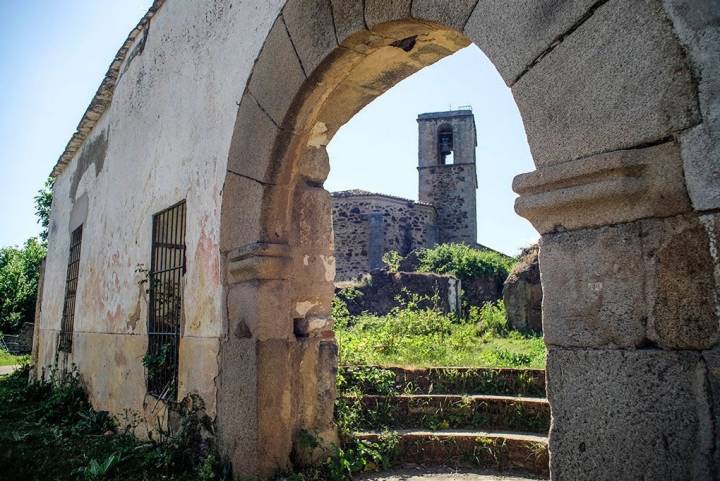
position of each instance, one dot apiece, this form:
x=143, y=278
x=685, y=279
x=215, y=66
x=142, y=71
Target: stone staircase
x=459, y=417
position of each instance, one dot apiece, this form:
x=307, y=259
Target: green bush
x=465, y=262
x=392, y=259
x=490, y=318
x=19, y=274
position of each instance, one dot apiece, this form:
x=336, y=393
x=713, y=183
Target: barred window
x=167, y=268
x=71, y=283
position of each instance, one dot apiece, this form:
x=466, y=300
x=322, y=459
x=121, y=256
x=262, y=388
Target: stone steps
x=459, y=417
x=458, y=380
x=445, y=411
x=503, y=451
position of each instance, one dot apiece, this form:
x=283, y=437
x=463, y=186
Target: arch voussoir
x=312, y=30
x=381, y=11
x=450, y=14
x=620, y=80
x=278, y=60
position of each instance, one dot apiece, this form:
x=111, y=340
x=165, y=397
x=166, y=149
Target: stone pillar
x=630, y=312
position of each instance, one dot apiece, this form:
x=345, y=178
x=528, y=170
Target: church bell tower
x=446, y=169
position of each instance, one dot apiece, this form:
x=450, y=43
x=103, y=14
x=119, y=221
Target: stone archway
x=611, y=108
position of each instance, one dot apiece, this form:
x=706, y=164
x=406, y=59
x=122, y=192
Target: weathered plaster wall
x=165, y=137
x=403, y=226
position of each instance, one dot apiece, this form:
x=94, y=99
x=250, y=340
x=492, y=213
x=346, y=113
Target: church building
x=367, y=225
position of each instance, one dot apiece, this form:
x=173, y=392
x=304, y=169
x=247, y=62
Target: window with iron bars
x=71, y=283
x=167, y=269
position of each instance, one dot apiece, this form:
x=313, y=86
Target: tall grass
x=414, y=336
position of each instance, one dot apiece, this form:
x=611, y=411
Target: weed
x=414, y=334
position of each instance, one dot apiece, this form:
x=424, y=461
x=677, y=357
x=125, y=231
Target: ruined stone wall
x=367, y=226
x=163, y=137
x=380, y=291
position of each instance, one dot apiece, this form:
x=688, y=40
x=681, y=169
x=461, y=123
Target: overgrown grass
x=7, y=359
x=48, y=431
x=414, y=336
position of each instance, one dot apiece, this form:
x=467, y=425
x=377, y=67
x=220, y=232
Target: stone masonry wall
x=367, y=226
x=451, y=189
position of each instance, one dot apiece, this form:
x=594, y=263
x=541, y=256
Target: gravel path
x=5, y=370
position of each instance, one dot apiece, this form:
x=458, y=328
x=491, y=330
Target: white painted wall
x=169, y=129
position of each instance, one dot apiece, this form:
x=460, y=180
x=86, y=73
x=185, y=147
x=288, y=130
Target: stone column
x=630, y=314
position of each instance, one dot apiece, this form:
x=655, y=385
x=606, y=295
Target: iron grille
x=167, y=268
x=71, y=282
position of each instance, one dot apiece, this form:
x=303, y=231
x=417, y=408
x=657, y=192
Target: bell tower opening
x=445, y=145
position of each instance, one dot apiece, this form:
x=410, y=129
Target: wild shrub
x=490, y=319
x=48, y=430
x=465, y=262
x=392, y=259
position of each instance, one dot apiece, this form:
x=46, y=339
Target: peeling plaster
x=303, y=307
x=329, y=265
x=318, y=136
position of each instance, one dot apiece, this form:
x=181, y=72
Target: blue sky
x=54, y=54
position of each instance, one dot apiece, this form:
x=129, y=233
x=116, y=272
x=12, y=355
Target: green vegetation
x=49, y=431
x=20, y=269
x=465, y=262
x=7, y=359
x=19, y=273
x=413, y=336
x=43, y=202
x=392, y=259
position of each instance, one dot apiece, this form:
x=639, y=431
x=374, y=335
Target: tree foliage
x=43, y=202
x=19, y=273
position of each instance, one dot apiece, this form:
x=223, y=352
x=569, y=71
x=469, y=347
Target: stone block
x=592, y=283
x=312, y=212
x=712, y=363
x=680, y=285
x=311, y=27
x=450, y=14
x=241, y=212
x=649, y=281
x=604, y=189
x=640, y=414
x=312, y=288
x=253, y=141
x=697, y=25
x=711, y=222
x=380, y=11
x=276, y=404
x=349, y=18
x=315, y=165
x=260, y=307
x=237, y=404
x=700, y=153
x=277, y=74
x=514, y=34
x=197, y=370
x=619, y=80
